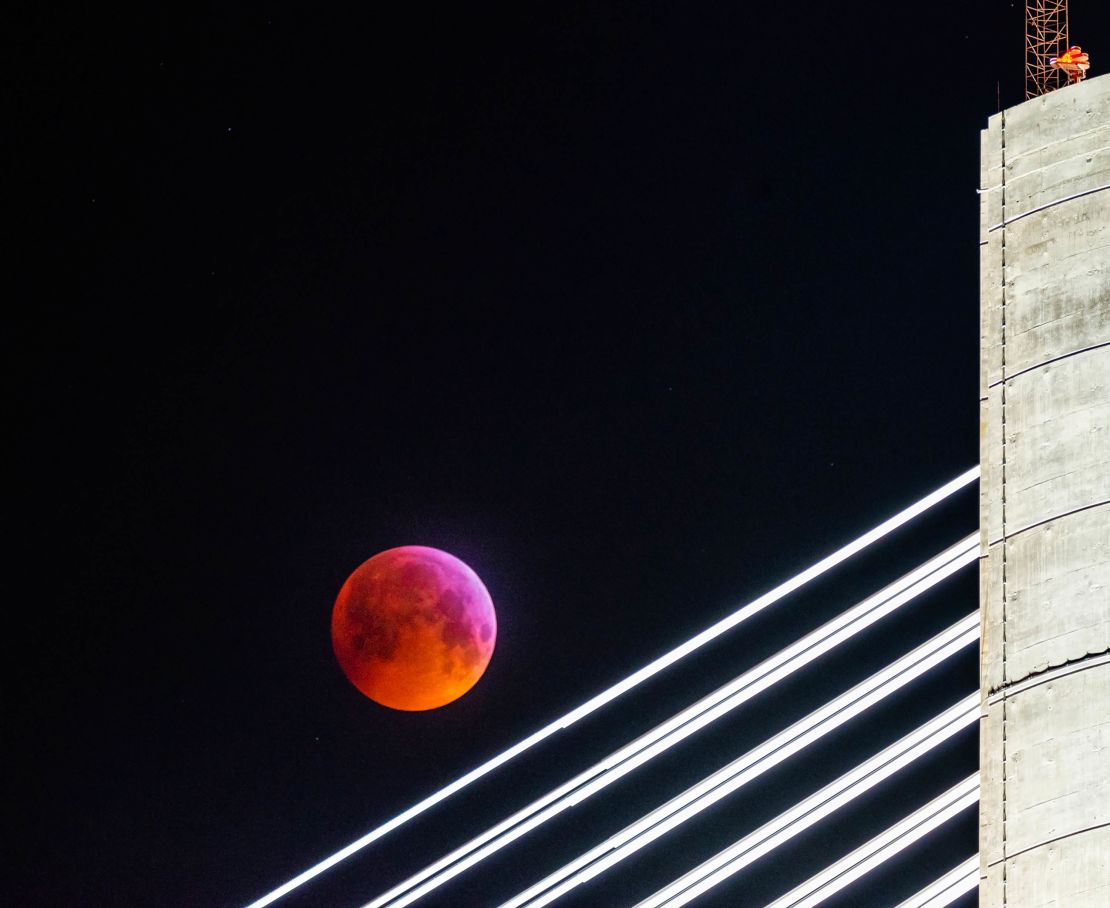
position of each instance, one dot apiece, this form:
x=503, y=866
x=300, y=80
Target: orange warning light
x=1074, y=62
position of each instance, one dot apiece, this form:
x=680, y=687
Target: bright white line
x=683, y=724
x=816, y=807
x=884, y=846
x=960, y=880
x=751, y=765
x=622, y=687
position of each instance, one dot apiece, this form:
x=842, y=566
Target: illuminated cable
x=960, y=880
x=621, y=687
x=815, y=808
x=884, y=846
x=750, y=766
x=683, y=724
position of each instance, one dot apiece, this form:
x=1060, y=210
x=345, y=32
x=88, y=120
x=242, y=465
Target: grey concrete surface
x=1077, y=880
x=1044, y=391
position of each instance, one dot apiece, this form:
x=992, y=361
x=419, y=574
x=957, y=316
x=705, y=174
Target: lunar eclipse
x=413, y=628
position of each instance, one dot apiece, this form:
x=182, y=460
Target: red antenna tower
x=1046, y=37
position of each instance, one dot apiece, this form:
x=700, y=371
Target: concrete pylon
x=1044, y=392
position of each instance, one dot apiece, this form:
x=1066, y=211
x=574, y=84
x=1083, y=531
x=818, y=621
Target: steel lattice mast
x=1046, y=36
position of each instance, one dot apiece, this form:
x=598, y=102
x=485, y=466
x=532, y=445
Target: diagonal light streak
x=621, y=687
x=884, y=846
x=960, y=880
x=815, y=808
x=750, y=766
x=683, y=724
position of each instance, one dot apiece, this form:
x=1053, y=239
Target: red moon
x=413, y=628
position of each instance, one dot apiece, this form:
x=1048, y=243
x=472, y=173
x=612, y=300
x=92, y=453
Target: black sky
x=637, y=308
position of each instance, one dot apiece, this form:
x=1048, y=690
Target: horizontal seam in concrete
x=1047, y=205
x=1060, y=516
x=1054, y=839
x=1051, y=674
x=1066, y=317
x=1068, y=633
x=1048, y=362
x=1067, y=140
x=1038, y=173
x=1082, y=253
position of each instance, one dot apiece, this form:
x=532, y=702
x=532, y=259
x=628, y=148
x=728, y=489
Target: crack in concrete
x=1067, y=663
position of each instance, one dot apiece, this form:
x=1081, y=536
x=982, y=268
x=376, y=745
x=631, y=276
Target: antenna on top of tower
x=1050, y=61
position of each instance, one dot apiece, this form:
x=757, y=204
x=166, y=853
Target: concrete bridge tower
x=1045, y=501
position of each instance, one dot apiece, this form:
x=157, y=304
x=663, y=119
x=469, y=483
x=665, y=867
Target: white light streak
x=960, y=880
x=621, y=687
x=884, y=846
x=815, y=808
x=751, y=765
x=683, y=724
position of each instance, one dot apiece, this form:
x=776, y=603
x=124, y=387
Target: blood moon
x=413, y=628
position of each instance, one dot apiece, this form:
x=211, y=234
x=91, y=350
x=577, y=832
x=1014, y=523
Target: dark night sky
x=637, y=308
